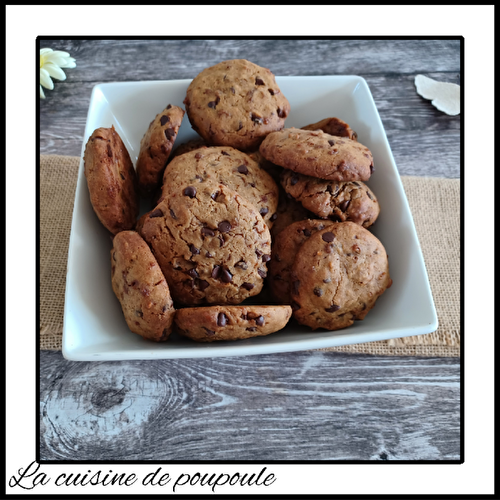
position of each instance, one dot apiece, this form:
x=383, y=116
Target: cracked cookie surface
x=209, y=324
x=235, y=103
x=339, y=201
x=318, y=154
x=111, y=180
x=285, y=248
x=211, y=244
x=229, y=167
x=337, y=276
x=156, y=146
x=333, y=126
x=141, y=288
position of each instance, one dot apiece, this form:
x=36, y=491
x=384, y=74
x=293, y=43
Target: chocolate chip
x=190, y=191
x=247, y=286
x=327, y=280
x=232, y=90
x=260, y=321
x=256, y=118
x=203, y=284
x=331, y=142
x=156, y=213
x=224, y=226
x=226, y=276
x=206, y=231
x=295, y=306
x=193, y=273
x=172, y=213
x=139, y=313
x=259, y=81
x=294, y=180
x=263, y=211
x=193, y=249
x=356, y=184
x=242, y=169
x=169, y=106
x=329, y=188
x=369, y=195
x=242, y=265
x=328, y=237
x=240, y=126
x=371, y=169
x=169, y=133
x=209, y=255
x=225, y=154
x=262, y=273
x=216, y=271
x=273, y=217
x=306, y=232
x=110, y=153
x=332, y=308
x=258, y=253
x=295, y=287
x=281, y=113
x=273, y=92
x=252, y=329
x=221, y=241
x=213, y=104
x=208, y=332
x=122, y=176
x=164, y=119
x=114, y=256
x=343, y=206
x=214, y=195
x=266, y=258
x=221, y=319
x=318, y=291
x=198, y=156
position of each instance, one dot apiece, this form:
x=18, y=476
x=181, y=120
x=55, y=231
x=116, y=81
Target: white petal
x=45, y=79
x=55, y=59
x=69, y=63
x=42, y=95
x=445, y=96
x=45, y=51
x=60, y=53
x=54, y=71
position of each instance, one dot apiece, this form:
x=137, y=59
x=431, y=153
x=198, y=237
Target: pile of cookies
x=251, y=208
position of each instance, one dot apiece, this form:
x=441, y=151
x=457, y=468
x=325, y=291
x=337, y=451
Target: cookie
x=141, y=288
x=273, y=170
x=156, y=146
x=212, y=245
x=209, y=324
x=285, y=248
x=235, y=103
x=227, y=166
x=337, y=276
x=111, y=180
x=333, y=126
x=187, y=147
x=288, y=212
x=318, y=154
x=339, y=201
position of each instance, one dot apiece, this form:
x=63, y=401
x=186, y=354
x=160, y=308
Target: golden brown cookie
x=227, y=166
x=288, y=212
x=318, y=154
x=156, y=146
x=141, y=288
x=339, y=201
x=209, y=324
x=111, y=180
x=273, y=170
x=212, y=245
x=333, y=126
x=187, y=147
x=235, y=103
x=285, y=248
x=337, y=276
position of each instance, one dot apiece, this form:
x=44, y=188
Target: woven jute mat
x=435, y=205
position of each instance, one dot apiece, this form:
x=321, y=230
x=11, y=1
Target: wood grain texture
x=424, y=141
x=293, y=406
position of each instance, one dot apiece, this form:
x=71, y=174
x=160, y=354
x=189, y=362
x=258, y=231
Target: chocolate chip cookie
x=339, y=201
x=337, y=276
x=208, y=324
x=187, y=147
x=227, y=166
x=288, y=212
x=212, y=245
x=156, y=146
x=141, y=288
x=285, y=248
x=111, y=180
x=333, y=126
x=235, y=103
x=273, y=170
x=318, y=154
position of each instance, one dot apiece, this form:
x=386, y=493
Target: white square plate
x=94, y=326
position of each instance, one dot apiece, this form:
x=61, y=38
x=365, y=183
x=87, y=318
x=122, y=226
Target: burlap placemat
x=435, y=205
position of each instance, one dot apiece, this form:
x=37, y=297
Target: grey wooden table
x=292, y=406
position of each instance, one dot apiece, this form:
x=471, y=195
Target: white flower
x=51, y=62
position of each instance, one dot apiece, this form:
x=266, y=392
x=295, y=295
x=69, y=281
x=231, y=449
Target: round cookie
x=141, y=288
x=111, y=180
x=235, y=103
x=337, y=276
x=285, y=248
x=229, y=167
x=208, y=324
x=212, y=245
x=288, y=211
x=340, y=201
x=187, y=147
x=333, y=126
x=156, y=146
x=318, y=154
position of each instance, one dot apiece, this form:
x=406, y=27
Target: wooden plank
x=292, y=406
